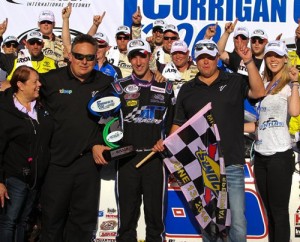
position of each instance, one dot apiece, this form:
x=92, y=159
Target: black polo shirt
x=75, y=129
x=227, y=95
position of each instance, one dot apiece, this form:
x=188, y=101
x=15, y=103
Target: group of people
x=51, y=147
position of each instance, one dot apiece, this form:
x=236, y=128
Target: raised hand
x=137, y=16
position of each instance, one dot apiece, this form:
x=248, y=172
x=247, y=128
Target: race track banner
x=191, y=17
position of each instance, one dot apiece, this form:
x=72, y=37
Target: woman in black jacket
x=25, y=133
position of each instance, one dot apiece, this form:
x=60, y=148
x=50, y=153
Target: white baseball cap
x=138, y=45
x=260, y=33
x=123, y=29
x=10, y=39
x=101, y=38
x=34, y=35
x=46, y=15
x=179, y=45
x=159, y=23
x=206, y=46
x=171, y=27
x=276, y=46
x=241, y=30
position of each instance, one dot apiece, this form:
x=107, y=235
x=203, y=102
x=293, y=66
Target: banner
x=191, y=17
x=194, y=159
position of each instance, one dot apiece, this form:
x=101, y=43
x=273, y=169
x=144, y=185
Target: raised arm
x=229, y=28
x=97, y=20
x=66, y=36
x=136, y=28
x=211, y=31
x=257, y=89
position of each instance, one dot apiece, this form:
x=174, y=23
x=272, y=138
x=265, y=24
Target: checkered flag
x=136, y=112
x=194, y=159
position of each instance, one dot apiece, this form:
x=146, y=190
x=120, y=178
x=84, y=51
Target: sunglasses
x=253, y=40
x=46, y=22
x=170, y=38
x=208, y=46
x=123, y=37
x=243, y=37
x=81, y=56
x=14, y=45
x=33, y=42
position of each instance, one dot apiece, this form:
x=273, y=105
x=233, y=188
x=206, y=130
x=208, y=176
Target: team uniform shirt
x=227, y=95
x=147, y=109
x=41, y=63
x=272, y=131
x=170, y=72
x=54, y=49
x=109, y=70
x=159, y=57
x=115, y=57
x=67, y=99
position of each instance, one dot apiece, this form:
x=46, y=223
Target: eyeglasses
x=11, y=44
x=243, y=37
x=170, y=38
x=34, y=41
x=81, y=56
x=46, y=22
x=123, y=37
x=209, y=46
x=260, y=41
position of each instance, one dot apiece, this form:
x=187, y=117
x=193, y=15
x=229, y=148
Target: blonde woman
x=274, y=158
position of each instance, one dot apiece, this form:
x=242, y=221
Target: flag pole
x=145, y=159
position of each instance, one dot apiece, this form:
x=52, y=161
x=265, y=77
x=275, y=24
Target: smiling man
x=53, y=45
x=71, y=190
x=33, y=55
x=147, y=108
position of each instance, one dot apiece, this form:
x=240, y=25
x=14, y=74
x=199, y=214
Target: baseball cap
x=179, y=45
x=171, y=27
x=123, y=29
x=10, y=39
x=260, y=33
x=276, y=46
x=101, y=38
x=138, y=45
x=159, y=24
x=46, y=15
x=206, y=46
x=241, y=30
x=34, y=35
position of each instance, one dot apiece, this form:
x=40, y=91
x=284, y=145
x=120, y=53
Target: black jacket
x=67, y=98
x=24, y=142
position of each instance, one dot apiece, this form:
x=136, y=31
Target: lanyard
x=272, y=87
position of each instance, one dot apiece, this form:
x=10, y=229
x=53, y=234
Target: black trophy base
x=119, y=153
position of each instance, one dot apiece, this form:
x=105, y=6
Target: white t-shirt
x=272, y=131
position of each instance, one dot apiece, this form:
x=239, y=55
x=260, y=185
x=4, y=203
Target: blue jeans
x=236, y=190
x=14, y=219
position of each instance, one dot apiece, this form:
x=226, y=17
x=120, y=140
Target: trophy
x=107, y=109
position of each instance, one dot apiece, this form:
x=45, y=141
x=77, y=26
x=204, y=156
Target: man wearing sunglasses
x=117, y=55
x=10, y=47
x=226, y=92
x=162, y=54
x=71, y=189
x=53, y=46
x=33, y=56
